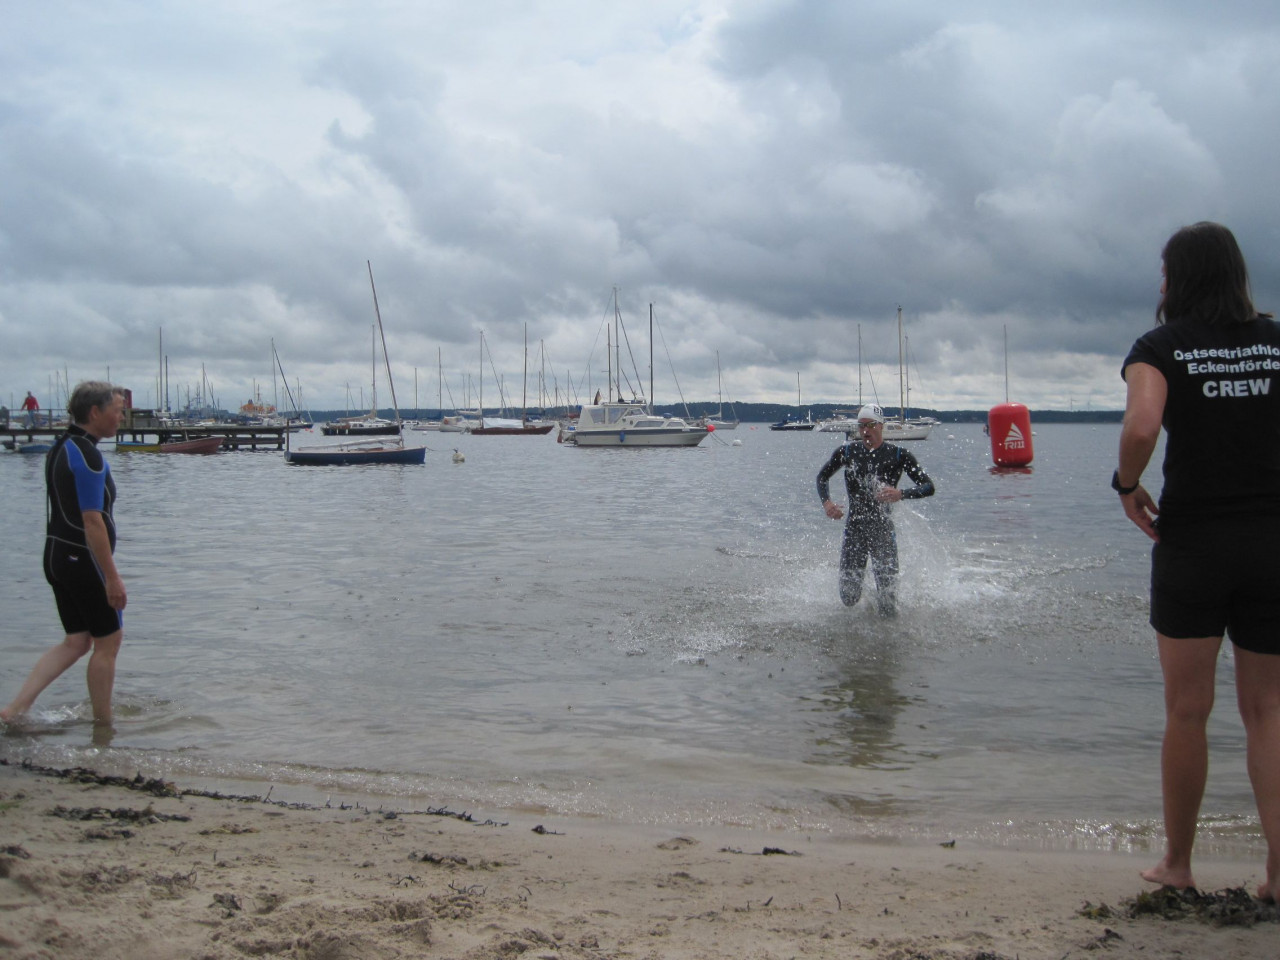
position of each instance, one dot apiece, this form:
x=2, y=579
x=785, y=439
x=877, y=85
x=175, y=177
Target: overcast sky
x=771, y=176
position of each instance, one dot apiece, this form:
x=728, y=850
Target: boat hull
x=338, y=457
x=360, y=430
x=638, y=437
x=539, y=430
x=792, y=427
x=839, y=425
x=199, y=445
x=911, y=430
x=893, y=429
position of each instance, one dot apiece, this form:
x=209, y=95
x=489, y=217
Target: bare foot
x=1162, y=874
x=1269, y=893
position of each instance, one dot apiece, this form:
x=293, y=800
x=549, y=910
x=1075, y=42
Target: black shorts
x=80, y=594
x=1219, y=578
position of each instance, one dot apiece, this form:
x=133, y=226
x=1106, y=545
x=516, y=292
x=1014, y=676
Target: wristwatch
x=1123, y=491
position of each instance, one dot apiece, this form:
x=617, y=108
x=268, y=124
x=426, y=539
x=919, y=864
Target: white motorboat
x=631, y=425
x=459, y=424
x=840, y=421
x=914, y=428
x=618, y=423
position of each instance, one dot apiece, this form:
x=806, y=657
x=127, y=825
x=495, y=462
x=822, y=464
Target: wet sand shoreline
x=107, y=868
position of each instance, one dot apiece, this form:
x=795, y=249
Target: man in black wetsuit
x=78, y=561
x=872, y=469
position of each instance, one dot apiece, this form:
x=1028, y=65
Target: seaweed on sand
x=1232, y=907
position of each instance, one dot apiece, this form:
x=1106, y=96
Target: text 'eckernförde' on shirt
x=1252, y=359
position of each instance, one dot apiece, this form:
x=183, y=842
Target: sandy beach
x=103, y=868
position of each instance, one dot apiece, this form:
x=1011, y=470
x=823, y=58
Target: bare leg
x=48, y=668
x=1258, y=692
x=102, y=675
x=1188, y=667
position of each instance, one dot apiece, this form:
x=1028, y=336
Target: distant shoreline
x=773, y=412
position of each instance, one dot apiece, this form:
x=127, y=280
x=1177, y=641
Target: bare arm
x=95, y=535
x=1143, y=412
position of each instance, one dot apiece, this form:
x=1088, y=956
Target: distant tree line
x=773, y=412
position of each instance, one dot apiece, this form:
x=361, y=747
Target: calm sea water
x=649, y=635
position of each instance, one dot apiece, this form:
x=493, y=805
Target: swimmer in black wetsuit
x=78, y=561
x=872, y=469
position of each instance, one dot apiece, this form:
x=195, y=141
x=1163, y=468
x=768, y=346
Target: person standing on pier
x=78, y=561
x=29, y=407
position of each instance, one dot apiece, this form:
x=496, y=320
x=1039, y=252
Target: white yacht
x=630, y=425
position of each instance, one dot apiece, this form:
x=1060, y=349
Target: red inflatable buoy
x=1009, y=425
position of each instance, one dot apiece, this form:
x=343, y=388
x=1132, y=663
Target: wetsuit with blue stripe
x=868, y=529
x=77, y=479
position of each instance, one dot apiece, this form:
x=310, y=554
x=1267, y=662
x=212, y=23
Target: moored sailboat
x=368, y=424
x=901, y=427
x=904, y=427
x=375, y=449
x=720, y=421
x=794, y=422
x=510, y=427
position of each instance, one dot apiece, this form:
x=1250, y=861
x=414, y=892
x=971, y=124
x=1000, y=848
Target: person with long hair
x=78, y=555
x=1209, y=373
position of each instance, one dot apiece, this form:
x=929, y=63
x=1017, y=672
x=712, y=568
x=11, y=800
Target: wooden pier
x=234, y=436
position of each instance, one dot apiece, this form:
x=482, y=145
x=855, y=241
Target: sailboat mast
x=524, y=390
x=719, y=390
x=651, y=358
x=902, y=400
x=385, y=358
x=439, y=383
x=859, y=365
x=480, y=401
x=906, y=370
